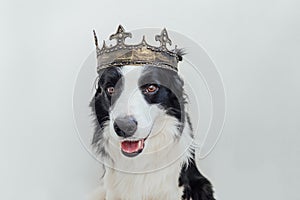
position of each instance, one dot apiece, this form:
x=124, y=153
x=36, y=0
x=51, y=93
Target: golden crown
x=140, y=54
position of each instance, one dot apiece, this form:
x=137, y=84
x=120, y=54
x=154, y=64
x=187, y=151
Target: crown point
x=95, y=38
x=120, y=29
x=104, y=45
x=163, y=38
x=120, y=35
x=144, y=40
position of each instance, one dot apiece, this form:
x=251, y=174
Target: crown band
x=140, y=54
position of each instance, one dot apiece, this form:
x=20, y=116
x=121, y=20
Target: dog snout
x=125, y=126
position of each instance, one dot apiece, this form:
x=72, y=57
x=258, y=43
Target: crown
x=140, y=54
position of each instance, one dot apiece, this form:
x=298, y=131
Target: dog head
x=139, y=110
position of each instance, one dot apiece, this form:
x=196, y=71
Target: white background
x=255, y=45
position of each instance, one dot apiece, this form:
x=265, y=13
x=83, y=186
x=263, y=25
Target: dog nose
x=125, y=126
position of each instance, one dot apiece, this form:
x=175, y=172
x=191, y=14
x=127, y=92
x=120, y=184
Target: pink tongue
x=132, y=146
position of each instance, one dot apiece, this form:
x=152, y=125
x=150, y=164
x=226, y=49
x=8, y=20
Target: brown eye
x=110, y=90
x=151, y=89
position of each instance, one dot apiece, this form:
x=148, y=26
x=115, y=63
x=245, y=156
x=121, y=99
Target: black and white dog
x=144, y=136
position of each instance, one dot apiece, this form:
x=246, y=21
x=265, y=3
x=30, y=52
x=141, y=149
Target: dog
x=143, y=134
x=141, y=123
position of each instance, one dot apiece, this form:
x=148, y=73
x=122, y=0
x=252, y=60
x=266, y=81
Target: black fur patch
x=101, y=103
x=196, y=186
x=170, y=95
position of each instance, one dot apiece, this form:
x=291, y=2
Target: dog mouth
x=132, y=148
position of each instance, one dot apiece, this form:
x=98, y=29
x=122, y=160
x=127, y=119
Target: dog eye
x=110, y=90
x=151, y=89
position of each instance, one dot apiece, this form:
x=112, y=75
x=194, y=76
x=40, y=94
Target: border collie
x=143, y=136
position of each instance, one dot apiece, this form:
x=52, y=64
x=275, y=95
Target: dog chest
x=162, y=184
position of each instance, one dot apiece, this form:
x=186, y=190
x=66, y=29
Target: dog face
x=139, y=110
